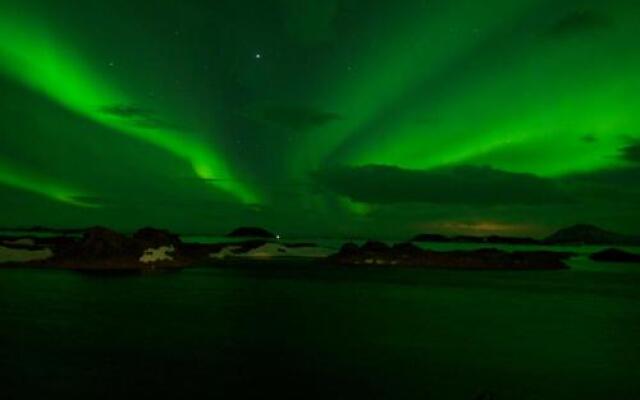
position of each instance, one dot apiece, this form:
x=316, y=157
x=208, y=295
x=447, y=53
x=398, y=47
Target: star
x=258, y=56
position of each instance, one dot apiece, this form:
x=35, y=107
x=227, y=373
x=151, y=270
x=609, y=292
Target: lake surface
x=315, y=332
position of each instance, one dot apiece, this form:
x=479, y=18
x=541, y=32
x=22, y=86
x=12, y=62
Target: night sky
x=321, y=117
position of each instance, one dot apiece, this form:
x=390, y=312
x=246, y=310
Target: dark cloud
x=589, y=138
x=127, y=111
x=632, y=152
x=450, y=186
x=615, y=186
x=138, y=116
x=296, y=118
x=613, y=176
x=579, y=22
x=152, y=123
x=618, y=177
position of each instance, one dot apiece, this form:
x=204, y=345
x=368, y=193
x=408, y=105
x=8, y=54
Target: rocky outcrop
x=615, y=255
x=101, y=243
x=204, y=253
x=152, y=237
x=272, y=250
x=104, y=249
x=410, y=255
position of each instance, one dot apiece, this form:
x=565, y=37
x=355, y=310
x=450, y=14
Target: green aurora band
x=416, y=43
x=532, y=118
x=530, y=108
x=30, y=53
x=33, y=182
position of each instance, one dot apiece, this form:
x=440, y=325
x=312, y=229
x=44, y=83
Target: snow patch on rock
x=225, y=252
x=267, y=250
x=10, y=255
x=20, y=242
x=158, y=254
x=274, y=250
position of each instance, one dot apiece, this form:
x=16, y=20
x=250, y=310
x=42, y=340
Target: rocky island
x=99, y=248
x=616, y=256
x=410, y=255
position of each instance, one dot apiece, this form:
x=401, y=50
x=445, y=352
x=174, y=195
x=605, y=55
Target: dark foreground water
x=322, y=333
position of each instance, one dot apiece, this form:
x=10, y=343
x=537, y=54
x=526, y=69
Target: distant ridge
x=435, y=238
x=251, y=232
x=589, y=234
x=44, y=229
x=581, y=234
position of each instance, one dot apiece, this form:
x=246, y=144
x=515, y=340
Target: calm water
x=322, y=333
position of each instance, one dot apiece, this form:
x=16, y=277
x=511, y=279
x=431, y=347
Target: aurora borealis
x=323, y=117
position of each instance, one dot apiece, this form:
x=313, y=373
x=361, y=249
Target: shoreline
x=150, y=249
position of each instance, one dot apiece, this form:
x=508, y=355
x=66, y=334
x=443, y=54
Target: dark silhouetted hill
x=589, y=235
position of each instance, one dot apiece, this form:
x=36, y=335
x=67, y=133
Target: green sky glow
x=36, y=183
x=313, y=116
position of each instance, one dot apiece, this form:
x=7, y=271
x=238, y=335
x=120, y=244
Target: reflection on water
x=320, y=332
